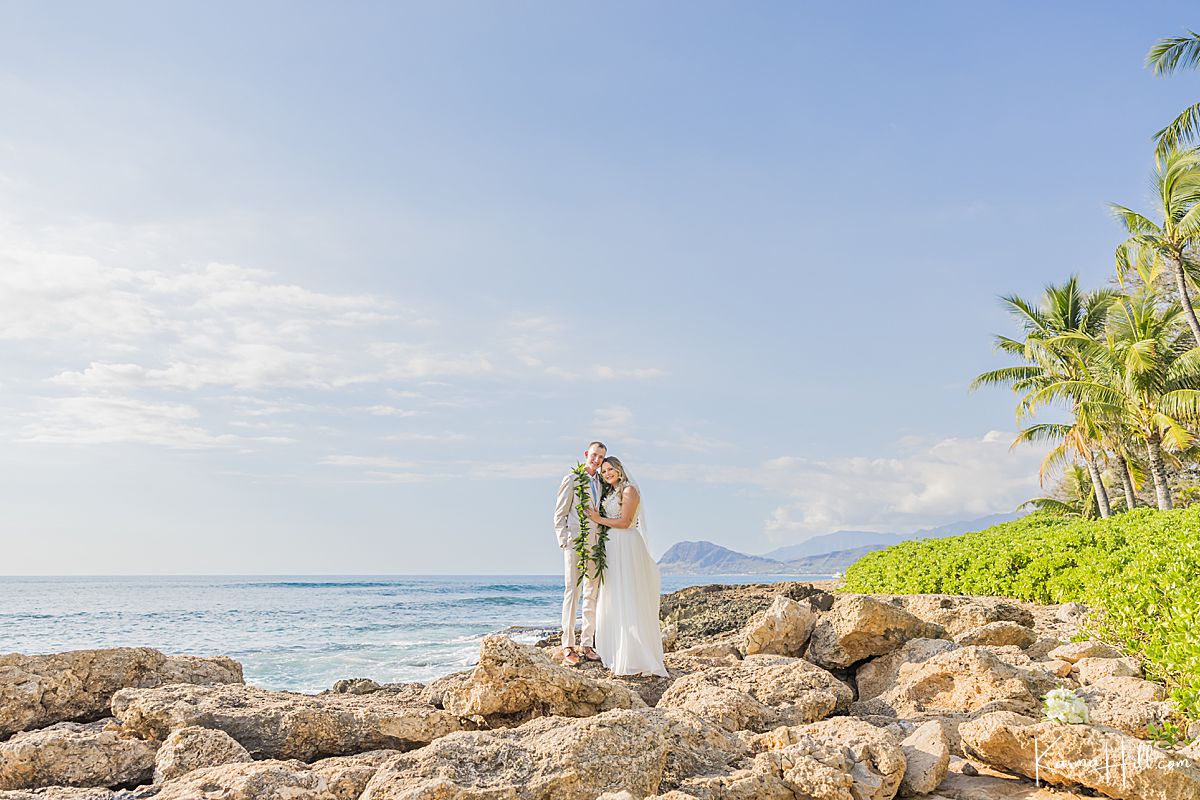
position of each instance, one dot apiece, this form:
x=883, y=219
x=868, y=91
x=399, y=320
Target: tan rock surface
x=782, y=629
x=285, y=725
x=75, y=754
x=1100, y=758
x=545, y=759
x=255, y=780
x=959, y=613
x=1003, y=632
x=59, y=793
x=40, y=690
x=192, y=748
x=1073, y=651
x=860, y=627
x=968, y=679
x=759, y=693
x=927, y=758
x=515, y=680
x=348, y=776
x=1127, y=704
x=878, y=675
x=875, y=762
x=1091, y=669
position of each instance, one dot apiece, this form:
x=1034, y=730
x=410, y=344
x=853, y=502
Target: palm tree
x=1164, y=58
x=1150, y=247
x=1064, y=310
x=1075, y=496
x=1145, y=377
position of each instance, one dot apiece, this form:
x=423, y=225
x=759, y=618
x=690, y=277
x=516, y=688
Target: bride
x=628, y=638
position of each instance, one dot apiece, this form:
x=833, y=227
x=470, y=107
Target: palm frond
x=1178, y=51
x=1180, y=131
x=1052, y=505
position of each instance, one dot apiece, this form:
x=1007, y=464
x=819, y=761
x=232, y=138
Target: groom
x=566, y=527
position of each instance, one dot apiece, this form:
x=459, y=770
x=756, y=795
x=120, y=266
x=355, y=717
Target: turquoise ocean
x=298, y=633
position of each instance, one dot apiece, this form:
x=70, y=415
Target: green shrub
x=1139, y=572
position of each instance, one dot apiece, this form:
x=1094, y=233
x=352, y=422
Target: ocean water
x=300, y=633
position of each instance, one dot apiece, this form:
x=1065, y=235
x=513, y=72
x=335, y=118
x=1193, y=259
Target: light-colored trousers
x=589, y=590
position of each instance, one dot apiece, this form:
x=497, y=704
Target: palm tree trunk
x=1127, y=482
x=1159, y=471
x=1101, y=492
x=1185, y=299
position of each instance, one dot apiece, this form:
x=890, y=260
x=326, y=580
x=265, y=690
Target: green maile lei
x=584, y=554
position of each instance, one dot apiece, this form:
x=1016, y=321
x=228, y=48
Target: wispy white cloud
x=391, y=411
x=936, y=482
x=106, y=420
x=612, y=420
x=385, y=462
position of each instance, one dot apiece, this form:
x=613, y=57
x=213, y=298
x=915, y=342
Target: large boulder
x=967, y=679
x=875, y=761
x=1092, y=669
x=514, y=680
x=255, y=780
x=927, y=758
x=192, y=748
x=760, y=693
x=860, y=627
x=36, y=691
x=1001, y=633
x=782, y=629
x=959, y=614
x=283, y=725
x=878, y=675
x=75, y=754
x=546, y=759
x=1090, y=648
x=1127, y=704
x=1100, y=758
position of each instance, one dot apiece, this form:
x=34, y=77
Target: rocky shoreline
x=776, y=691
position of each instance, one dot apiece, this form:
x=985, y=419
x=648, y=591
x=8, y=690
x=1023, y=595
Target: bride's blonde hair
x=621, y=484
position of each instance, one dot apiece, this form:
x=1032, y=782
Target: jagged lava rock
x=284, y=725
x=700, y=613
x=75, y=754
x=77, y=686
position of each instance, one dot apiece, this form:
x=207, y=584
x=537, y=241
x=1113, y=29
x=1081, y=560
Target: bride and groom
x=620, y=605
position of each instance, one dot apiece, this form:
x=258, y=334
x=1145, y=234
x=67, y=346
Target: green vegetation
x=1139, y=572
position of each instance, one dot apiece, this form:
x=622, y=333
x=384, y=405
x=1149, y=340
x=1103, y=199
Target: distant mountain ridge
x=820, y=555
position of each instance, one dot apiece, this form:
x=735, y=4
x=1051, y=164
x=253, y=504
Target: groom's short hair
x=599, y=444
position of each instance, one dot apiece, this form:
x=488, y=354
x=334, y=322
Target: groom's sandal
x=590, y=654
x=570, y=658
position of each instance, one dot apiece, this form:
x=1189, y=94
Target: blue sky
x=289, y=288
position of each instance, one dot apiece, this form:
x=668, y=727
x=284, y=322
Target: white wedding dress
x=628, y=637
